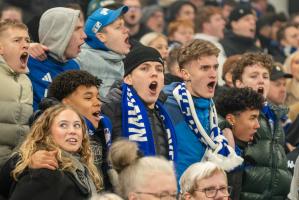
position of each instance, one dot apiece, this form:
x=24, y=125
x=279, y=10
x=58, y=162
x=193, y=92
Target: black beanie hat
x=239, y=12
x=139, y=55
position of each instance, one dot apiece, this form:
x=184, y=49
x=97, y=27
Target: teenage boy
x=106, y=46
x=79, y=89
x=61, y=31
x=268, y=178
x=240, y=107
x=193, y=112
x=138, y=115
x=16, y=90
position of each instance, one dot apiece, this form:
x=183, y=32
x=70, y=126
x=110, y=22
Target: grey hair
x=195, y=173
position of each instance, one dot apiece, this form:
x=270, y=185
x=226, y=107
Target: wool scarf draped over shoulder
x=218, y=151
x=136, y=126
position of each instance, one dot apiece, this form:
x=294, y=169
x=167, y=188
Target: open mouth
x=211, y=85
x=72, y=140
x=252, y=30
x=260, y=90
x=96, y=114
x=153, y=86
x=24, y=58
x=132, y=17
x=127, y=40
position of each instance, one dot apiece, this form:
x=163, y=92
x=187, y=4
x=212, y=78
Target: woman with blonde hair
x=291, y=66
x=140, y=177
x=60, y=128
x=157, y=41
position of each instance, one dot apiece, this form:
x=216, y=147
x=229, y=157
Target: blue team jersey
x=43, y=72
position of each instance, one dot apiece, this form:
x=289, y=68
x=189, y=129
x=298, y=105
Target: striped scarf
x=218, y=150
x=136, y=126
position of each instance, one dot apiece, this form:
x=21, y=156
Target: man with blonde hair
x=192, y=110
x=16, y=90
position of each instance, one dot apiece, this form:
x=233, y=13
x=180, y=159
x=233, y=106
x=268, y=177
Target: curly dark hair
x=67, y=82
x=238, y=100
x=249, y=59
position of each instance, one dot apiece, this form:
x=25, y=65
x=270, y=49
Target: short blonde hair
x=148, y=38
x=194, y=50
x=195, y=173
x=7, y=24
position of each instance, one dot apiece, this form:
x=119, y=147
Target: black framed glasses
x=162, y=195
x=212, y=192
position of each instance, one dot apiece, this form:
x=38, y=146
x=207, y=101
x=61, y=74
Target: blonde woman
x=157, y=41
x=291, y=66
x=60, y=129
x=139, y=177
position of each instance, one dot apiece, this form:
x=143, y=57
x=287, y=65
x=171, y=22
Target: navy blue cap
x=277, y=73
x=97, y=21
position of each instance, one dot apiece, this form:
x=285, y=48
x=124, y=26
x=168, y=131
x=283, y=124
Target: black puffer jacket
x=234, y=44
x=267, y=176
x=113, y=110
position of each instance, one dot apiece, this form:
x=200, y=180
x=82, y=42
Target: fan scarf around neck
x=218, y=150
x=136, y=126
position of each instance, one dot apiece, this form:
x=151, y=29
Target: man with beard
x=137, y=114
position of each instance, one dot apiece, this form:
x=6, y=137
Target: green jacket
x=266, y=176
x=15, y=109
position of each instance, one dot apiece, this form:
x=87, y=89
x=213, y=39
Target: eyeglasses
x=212, y=192
x=162, y=196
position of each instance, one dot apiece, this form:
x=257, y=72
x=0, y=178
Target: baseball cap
x=277, y=73
x=98, y=20
x=240, y=11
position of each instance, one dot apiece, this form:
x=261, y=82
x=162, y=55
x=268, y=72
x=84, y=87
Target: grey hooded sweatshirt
x=56, y=27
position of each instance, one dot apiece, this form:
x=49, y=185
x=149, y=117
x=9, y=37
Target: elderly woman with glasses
x=204, y=181
x=142, y=178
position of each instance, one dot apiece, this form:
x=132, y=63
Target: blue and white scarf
x=266, y=110
x=136, y=126
x=106, y=126
x=218, y=150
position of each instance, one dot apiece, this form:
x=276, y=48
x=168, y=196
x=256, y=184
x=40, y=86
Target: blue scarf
x=107, y=128
x=136, y=125
x=203, y=112
x=266, y=110
x=218, y=150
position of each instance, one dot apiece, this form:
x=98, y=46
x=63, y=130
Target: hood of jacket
x=56, y=27
x=111, y=56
